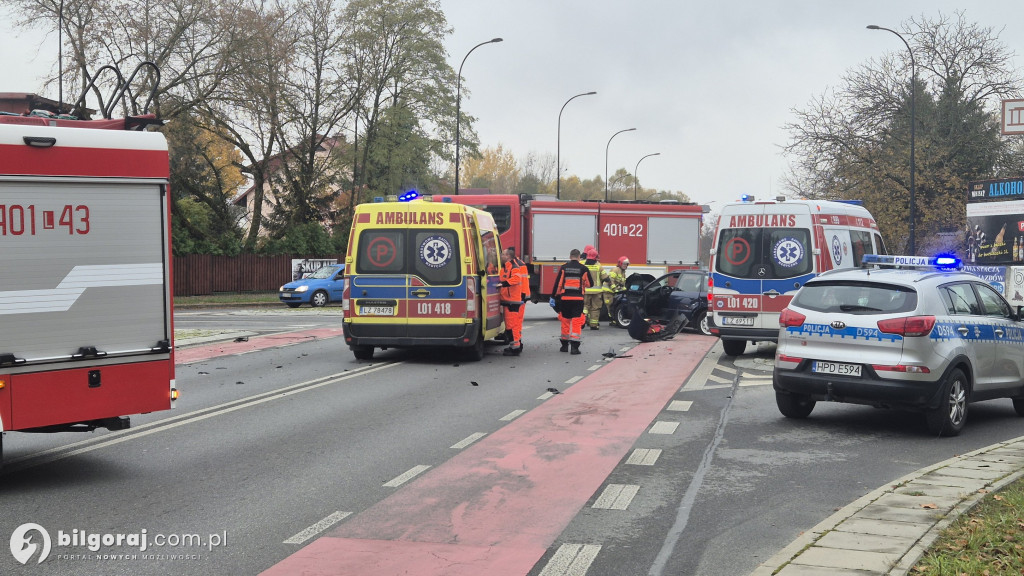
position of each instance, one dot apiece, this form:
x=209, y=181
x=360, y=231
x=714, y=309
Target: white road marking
x=728, y=369
x=616, y=496
x=412, y=473
x=468, y=440
x=719, y=379
x=594, y=367
x=571, y=560
x=755, y=382
x=644, y=456
x=512, y=415
x=574, y=379
x=58, y=453
x=699, y=377
x=545, y=396
x=679, y=406
x=663, y=427
x=317, y=528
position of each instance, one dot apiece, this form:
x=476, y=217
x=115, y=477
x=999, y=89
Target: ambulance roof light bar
x=943, y=262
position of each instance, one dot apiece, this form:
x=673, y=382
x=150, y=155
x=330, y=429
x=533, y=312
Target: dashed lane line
x=574, y=379
x=644, y=456
x=318, y=528
x=468, y=440
x=512, y=415
x=571, y=560
x=679, y=406
x=616, y=496
x=409, y=475
x=664, y=427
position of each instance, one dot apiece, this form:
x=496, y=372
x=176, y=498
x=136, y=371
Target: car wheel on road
x=362, y=352
x=734, y=347
x=293, y=304
x=703, y=326
x=794, y=405
x=623, y=315
x=318, y=299
x=1018, y=406
x=949, y=417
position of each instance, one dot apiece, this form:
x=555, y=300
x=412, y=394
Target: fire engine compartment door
x=673, y=241
x=83, y=266
x=555, y=235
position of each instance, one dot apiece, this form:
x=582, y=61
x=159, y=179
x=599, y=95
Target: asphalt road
x=285, y=443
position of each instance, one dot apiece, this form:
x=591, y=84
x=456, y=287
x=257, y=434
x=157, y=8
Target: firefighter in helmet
x=616, y=283
x=594, y=297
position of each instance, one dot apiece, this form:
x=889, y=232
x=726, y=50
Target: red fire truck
x=656, y=237
x=85, y=274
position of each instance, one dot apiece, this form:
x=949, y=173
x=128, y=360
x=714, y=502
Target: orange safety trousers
x=572, y=328
x=514, y=322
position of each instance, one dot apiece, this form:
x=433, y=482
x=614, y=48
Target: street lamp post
x=558, y=147
x=606, y=160
x=637, y=168
x=458, y=105
x=913, y=89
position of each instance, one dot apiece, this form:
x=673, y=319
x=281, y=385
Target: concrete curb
x=887, y=531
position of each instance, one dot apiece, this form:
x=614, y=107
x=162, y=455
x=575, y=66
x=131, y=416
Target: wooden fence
x=203, y=274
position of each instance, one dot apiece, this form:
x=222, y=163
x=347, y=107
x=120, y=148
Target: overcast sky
x=708, y=85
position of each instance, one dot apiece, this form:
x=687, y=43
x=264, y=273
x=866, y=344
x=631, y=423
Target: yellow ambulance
x=421, y=273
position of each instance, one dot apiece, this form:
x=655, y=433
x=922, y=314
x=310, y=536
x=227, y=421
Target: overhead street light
x=558, y=148
x=913, y=89
x=606, y=160
x=637, y=168
x=458, y=105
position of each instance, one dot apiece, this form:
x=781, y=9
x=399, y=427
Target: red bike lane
x=497, y=506
x=205, y=352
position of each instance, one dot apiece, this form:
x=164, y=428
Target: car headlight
x=281, y=289
x=302, y=288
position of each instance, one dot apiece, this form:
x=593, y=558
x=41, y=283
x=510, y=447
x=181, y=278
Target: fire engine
x=85, y=273
x=656, y=237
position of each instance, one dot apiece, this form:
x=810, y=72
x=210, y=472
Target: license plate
x=836, y=368
x=377, y=311
x=737, y=321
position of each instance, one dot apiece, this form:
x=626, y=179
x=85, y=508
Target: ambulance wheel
x=703, y=326
x=474, y=353
x=794, y=405
x=949, y=417
x=362, y=352
x=318, y=299
x=623, y=315
x=734, y=347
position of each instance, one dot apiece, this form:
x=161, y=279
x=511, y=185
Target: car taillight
x=908, y=326
x=909, y=369
x=345, y=300
x=793, y=359
x=789, y=318
x=711, y=290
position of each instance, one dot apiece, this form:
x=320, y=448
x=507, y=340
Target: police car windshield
x=856, y=297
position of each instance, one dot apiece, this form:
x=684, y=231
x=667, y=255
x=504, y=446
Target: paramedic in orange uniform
x=570, y=285
x=512, y=302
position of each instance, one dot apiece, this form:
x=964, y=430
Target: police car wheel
x=794, y=405
x=362, y=352
x=1018, y=406
x=318, y=299
x=949, y=417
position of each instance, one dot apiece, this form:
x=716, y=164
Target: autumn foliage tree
x=854, y=142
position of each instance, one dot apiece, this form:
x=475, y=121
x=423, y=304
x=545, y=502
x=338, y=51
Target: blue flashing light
x=410, y=195
x=747, y=198
x=378, y=198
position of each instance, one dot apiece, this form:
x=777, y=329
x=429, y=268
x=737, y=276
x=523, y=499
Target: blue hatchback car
x=323, y=286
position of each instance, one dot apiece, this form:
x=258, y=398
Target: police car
x=901, y=332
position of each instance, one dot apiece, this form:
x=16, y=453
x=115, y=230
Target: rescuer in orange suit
x=512, y=302
x=524, y=285
x=571, y=282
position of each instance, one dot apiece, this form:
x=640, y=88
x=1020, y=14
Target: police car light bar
x=940, y=262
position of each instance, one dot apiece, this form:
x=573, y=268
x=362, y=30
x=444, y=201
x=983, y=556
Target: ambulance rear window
x=764, y=253
x=430, y=254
